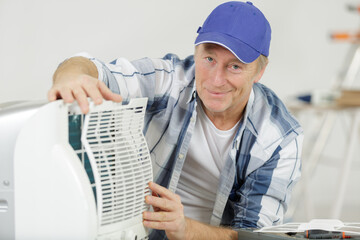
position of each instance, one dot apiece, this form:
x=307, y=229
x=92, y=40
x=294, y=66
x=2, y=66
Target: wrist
x=189, y=234
x=195, y=230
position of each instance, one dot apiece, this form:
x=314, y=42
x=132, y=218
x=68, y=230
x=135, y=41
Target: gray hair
x=262, y=62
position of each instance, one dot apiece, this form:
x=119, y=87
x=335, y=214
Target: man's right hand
x=77, y=79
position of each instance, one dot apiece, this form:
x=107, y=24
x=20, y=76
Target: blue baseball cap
x=240, y=27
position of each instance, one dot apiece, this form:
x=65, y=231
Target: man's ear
x=259, y=74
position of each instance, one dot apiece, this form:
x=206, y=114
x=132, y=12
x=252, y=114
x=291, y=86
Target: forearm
x=197, y=230
x=76, y=66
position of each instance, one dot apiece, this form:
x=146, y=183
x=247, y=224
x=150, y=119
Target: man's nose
x=219, y=76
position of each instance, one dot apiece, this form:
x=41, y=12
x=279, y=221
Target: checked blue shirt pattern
x=263, y=163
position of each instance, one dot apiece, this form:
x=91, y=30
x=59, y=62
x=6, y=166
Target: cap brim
x=241, y=50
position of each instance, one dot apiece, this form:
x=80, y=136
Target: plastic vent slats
x=120, y=160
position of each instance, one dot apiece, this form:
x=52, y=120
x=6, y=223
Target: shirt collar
x=244, y=120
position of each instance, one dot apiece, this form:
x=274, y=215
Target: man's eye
x=234, y=68
x=209, y=59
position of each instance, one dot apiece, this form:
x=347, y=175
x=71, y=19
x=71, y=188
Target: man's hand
x=76, y=79
x=168, y=212
x=168, y=215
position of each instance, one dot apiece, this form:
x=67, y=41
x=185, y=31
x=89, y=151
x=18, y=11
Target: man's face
x=223, y=82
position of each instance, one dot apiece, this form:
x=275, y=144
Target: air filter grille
x=120, y=160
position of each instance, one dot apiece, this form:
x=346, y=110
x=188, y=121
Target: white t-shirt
x=199, y=179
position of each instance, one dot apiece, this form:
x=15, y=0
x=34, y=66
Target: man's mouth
x=217, y=93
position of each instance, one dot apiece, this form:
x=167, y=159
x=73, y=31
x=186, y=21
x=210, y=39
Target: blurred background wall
x=35, y=36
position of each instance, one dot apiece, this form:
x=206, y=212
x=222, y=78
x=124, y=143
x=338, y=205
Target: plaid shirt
x=264, y=160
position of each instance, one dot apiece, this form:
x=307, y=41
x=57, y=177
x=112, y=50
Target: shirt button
x=181, y=156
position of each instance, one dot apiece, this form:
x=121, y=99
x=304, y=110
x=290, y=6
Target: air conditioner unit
x=64, y=175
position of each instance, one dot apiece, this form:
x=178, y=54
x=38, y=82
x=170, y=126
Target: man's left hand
x=169, y=216
x=168, y=212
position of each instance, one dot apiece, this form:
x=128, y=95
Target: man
x=225, y=151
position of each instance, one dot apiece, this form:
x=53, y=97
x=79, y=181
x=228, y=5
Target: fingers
x=65, y=94
x=163, y=204
x=168, y=212
x=81, y=97
x=69, y=95
x=167, y=226
x=94, y=93
x=163, y=192
x=52, y=95
x=160, y=216
x=164, y=220
x=107, y=93
x=79, y=88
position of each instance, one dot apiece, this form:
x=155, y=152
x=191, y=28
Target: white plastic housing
x=53, y=195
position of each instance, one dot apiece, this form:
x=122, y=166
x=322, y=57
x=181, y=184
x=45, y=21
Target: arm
x=168, y=215
x=77, y=79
